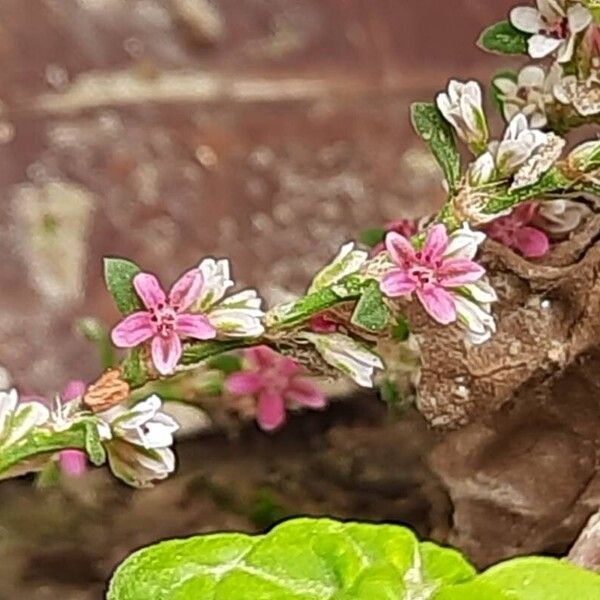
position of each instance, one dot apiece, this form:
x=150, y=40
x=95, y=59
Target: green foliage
x=302, y=559
x=503, y=74
x=321, y=559
x=503, y=38
x=372, y=237
x=371, y=313
x=118, y=275
x=227, y=363
x=96, y=332
x=437, y=133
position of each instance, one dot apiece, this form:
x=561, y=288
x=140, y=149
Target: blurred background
x=268, y=131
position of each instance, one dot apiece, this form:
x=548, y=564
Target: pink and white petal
x=541, y=46
x=186, y=290
x=399, y=248
x=304, y=393
x=459, y=271
x=397, y=283
x=438, y=303
x=195, y=326
x=270, y=411
x=243, y=382
x=149, y=290
x=531, y=242
x=132, y=330
x=523, y=213
x=436, y=243
x=166, y=353
x=566, y=49
x=527, y=19
x=74, y=389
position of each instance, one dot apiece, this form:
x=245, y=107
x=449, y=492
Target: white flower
x=239, y=315
x=347, y=261
x=560, y=217
x=523, y=153
x=529, y=94
x=462, y=107
x=473, y=306
x=554, y=27
x=347, y=355
x=17, y=419
x=138, y=441
x=583, y=95
x=585, y=156
x=464, y=243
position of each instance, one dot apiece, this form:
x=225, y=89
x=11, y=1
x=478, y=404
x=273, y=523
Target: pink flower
x=276, y=381
x=322, y=323
x=514, y=231
x=405, y=227
x=432, y=272
x=73, y=462
x=165, y=320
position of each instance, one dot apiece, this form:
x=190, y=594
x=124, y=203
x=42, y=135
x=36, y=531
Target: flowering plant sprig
x=518, y=188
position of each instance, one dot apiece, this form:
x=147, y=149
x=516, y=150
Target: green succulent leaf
x=503, y=38
x=543, y=578
x=437, y=134
x=372, y=237
x=302, y=559
x=118, y=275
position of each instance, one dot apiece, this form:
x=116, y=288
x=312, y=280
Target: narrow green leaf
x=437, y=133
x=228, y=363
x=118, y=275
x=93, y=444
x=371, y=313
x=503, y=38
x=134, y=368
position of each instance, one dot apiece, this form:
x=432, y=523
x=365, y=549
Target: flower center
x=163, y=317
x=558, y=29
x=423, y=276
x=274, y=380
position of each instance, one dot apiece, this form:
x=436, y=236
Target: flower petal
x=217, y=281
x=166, y=353
x=186, y=290
x=579, y=18
x=261, y=356
x=399, y=248
x=459, y=271
x=531, y=242
x=132, y=330
x=541, y=46
x=435, y=243
x=75, y=389
x=305, y=393
x=438, y=303
x=73, y=462
x=526, y=18
x=271, y=410
x=149, y=290
x=397, y=283
x=243, y=382
x=195, y=326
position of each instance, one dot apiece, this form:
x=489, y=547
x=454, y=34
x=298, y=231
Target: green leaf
x=228, y=363
x=437, y=133
x=118, y=275
x=503, y=38
x=372, y=237
x=401, y=330
x=370, y=312
x=473, y=590
x=496, y=93
x=543, y=578
x=96, y=332
x=134, y=368
x=93, y=444
x=302, y=559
